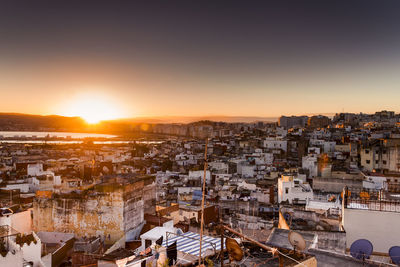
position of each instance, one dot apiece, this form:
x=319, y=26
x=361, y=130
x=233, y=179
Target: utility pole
x=202, y=200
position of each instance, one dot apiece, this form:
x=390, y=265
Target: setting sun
x=93, y=108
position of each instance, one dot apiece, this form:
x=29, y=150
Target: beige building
x=381, y=155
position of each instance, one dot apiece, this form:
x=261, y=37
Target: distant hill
x=190, y=119
x=27, y=122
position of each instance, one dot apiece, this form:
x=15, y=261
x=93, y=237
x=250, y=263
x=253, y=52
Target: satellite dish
x=105, y=169
x=394, y=253
x=361, y=249
x=234, y=250
x=297, y=241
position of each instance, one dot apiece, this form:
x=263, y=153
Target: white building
x=280, y=131
x=219, y=167
x=150, y=237
x=245, y=169
x=19, y=221
x=222, y=177
x=375, y=182
x=20, y=254
x=35, y=169
x=329, y=146
x=310, y=163
x=244, y=185
x=293, y=190
x=198, y=175
x=274, y=143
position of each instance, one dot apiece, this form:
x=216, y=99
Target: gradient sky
x=201, y=57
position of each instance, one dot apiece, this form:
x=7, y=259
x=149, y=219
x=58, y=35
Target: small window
x=367, y=161
x=287, y=190
x=384, y=151
x=366, y=151
x=376, y=161
x=384, y=162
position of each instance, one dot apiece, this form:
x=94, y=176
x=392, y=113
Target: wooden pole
x=273, y=250
x=202, y=200
x=222, y=244
x=281, y=260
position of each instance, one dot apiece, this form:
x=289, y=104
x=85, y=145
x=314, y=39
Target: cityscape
x=199, y=133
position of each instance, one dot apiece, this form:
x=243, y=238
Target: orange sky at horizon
x=117, y=93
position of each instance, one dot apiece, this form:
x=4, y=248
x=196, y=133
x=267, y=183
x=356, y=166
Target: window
x=367, y=161
x=287, y=190
x=376, y=161
x=384, y=152
x=366, y=151
x=384, y=162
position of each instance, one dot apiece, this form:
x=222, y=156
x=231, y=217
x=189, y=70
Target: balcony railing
x=377, y=205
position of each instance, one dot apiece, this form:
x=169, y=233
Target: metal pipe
x=272, y=250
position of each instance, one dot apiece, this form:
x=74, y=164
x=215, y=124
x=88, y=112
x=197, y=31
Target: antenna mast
x=202, y=200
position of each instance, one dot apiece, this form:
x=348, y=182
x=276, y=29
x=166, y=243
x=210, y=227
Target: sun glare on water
x=93, y=108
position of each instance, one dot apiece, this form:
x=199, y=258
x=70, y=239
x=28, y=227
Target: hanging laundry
x=159, y=241
x=172, y=254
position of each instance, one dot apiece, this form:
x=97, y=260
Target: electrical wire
x=263, y=262
x=287, y=256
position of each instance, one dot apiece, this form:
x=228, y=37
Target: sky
x=199, y=58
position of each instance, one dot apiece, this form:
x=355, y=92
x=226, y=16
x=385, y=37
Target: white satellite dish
x=297, y=241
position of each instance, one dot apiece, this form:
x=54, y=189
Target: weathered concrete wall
x=99, y=215
x=335, y=184
x=332, y=241
x=108, y=211
x=149, y=193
